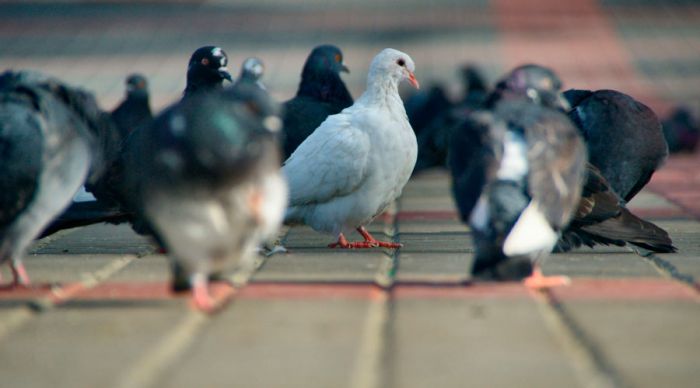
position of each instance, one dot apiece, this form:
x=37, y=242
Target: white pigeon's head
x=395, y=65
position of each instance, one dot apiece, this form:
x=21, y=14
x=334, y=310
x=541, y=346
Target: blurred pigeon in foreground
x=358, y=161
x=517, y=176
x=206, y=180
x=49, y=146
x=206, y=71
x=251, y=72
x=624, y=137
x=321, y=93
x=681, y=131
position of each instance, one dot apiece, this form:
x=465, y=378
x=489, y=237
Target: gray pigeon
x=50, y=136
x=206, y=181
x=251, y=72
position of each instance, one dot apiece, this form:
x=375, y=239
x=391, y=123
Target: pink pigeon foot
x=538, y=281
x=19, y=275
x=201, y=297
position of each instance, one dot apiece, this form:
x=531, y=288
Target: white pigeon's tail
x=532, y=235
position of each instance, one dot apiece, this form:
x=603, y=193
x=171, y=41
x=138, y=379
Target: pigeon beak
x=344, y=69
x=223, y=72
x=412, y=80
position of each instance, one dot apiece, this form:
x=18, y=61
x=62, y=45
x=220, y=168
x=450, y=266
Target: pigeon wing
x=557, y=159
x=332, y=162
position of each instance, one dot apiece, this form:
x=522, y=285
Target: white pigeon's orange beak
x=412, y=79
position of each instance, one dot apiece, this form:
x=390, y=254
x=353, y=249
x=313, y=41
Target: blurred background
x=647, y=48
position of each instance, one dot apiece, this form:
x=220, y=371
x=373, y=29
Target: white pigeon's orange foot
x=370, y=242
x=538, y=281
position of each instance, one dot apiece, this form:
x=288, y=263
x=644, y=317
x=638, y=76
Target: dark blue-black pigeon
x=205, y=178
x=624, y=137
x=206, y=71
x=682, y=131
x=135, y=110
x=51, y=135
x=517, y=174
x=433, y=116
x=321, y=93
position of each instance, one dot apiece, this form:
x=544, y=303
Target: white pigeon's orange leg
x=342, y=243
x=370, y=239
x=370, y=242
x=538, y=281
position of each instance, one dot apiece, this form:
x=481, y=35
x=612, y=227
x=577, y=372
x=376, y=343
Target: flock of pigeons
x=534, y=169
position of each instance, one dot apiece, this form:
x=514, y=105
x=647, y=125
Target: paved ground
x=101, y=316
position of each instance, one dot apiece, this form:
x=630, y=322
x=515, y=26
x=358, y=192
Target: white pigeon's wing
x=330, y=163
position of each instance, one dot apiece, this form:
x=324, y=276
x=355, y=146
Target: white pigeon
x=356, y=162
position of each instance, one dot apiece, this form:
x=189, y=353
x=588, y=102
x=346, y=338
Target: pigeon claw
x=537, y=281
x=370, y=242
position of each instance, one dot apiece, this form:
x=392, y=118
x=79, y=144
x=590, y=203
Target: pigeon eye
x=338, y=58
x=205, y=61
x=401, y=62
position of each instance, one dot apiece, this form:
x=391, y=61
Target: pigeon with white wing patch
x=518, y=172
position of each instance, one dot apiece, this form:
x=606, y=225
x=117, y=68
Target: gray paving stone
x=685, y=237
x=65, y=268
x=346, y=265
x=433, y=226
x=81, y=347
x=436, y=242
x=473, y=343
x=151, y=268
x=441, y=204
x=599, y=265
x=275, y=343
x=444, y=268
x=651, y=344
x=97, y=239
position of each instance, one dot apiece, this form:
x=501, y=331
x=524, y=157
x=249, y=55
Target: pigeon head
x=252, y=69
x=392, y=65
x=206, y=69
x=535, y=82
x=136, y=86
x=320, y=78
x=324, y=59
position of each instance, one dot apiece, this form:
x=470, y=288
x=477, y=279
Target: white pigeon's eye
x=401, y=62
